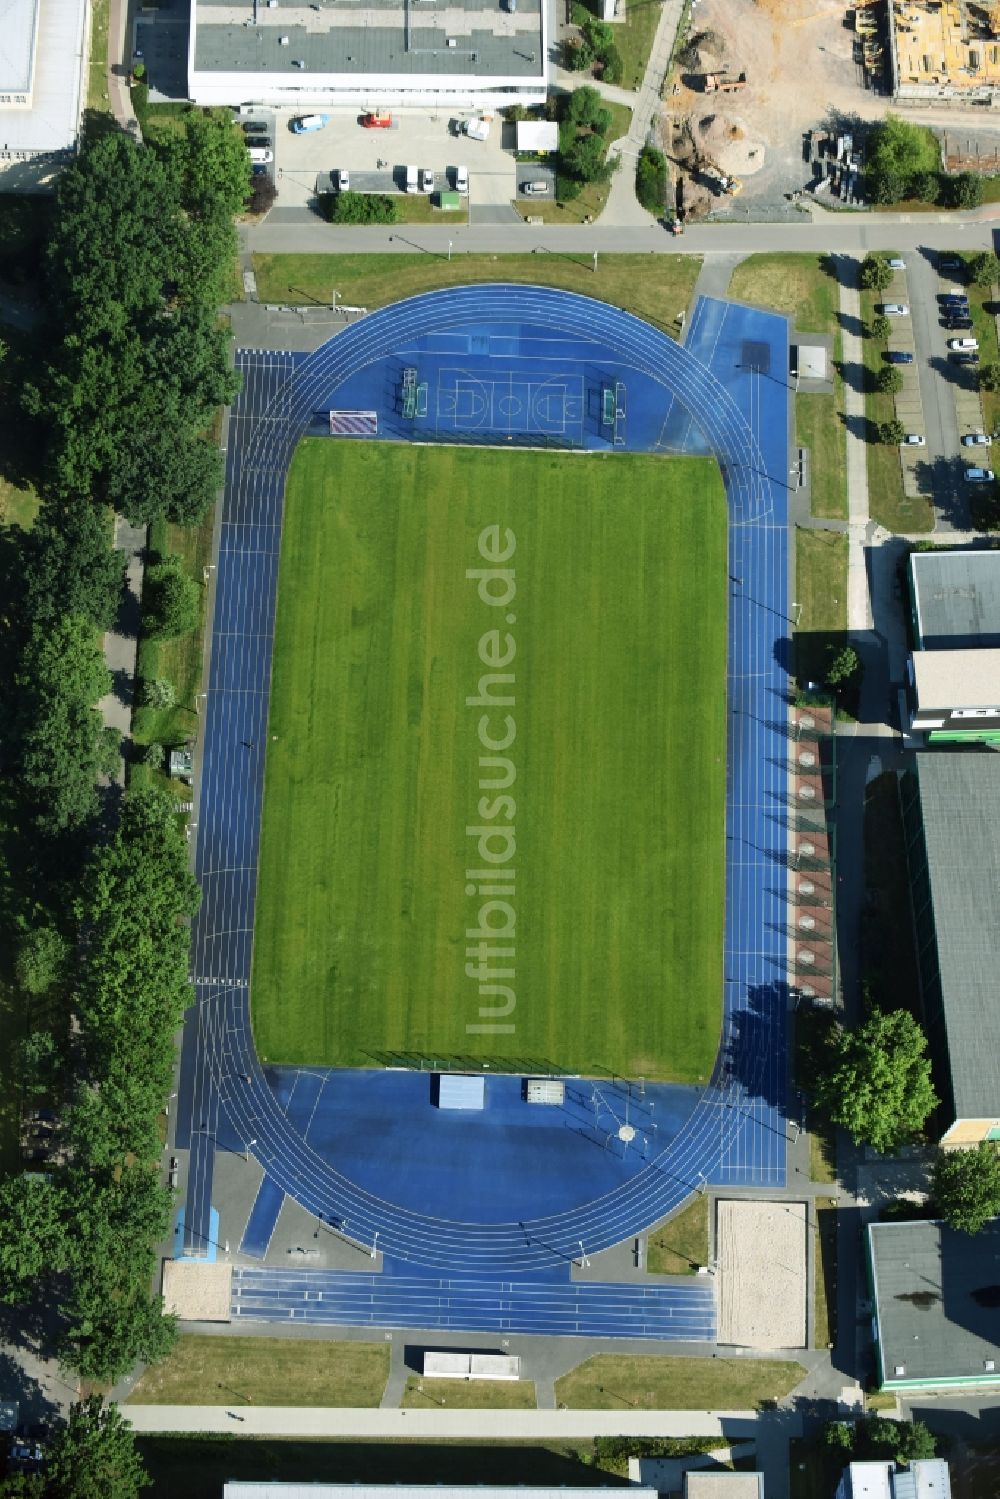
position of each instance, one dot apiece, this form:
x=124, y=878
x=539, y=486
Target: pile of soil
x=727, y=140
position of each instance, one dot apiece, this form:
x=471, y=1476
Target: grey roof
x=50, y=121
x=960, y=807
x=957, y=679
x=275, y=1489
x=358, y=37
x=930, y=1322
x=18, y=23
x=956, y=598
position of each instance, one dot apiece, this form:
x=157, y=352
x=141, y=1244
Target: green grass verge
x=821, y=593
x=984, y=328
x=680, y=1245
x=198, y=1467
x=374, y=776
x=886, y=501
x=472, y=1395
x=591, y=202
x=266, y=1371
x=822, y=1152
x=98, y=101
x=18, y=507
x=633, y=38
x=825, y=1294
x=804, y=288
x=621, y=1382
x=654, y=287
x=178, y=660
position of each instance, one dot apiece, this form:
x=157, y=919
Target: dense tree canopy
x=966, y=1186
x=61, y=745
x=139, y=260
x=876, y=1080
x=94, y=1456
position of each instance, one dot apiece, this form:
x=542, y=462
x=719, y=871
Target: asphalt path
x=847, y=234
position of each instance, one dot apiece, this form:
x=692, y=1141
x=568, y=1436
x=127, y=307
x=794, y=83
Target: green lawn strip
x=179, y=660
x=590, y=202
x=888, y=949
x=825, y=1250
x=373, y=773
x=18, y=507
x=654, y=287
x=98, y=102
x=420, y=208
x=622, y=1382
x=802, y=287
x=469, y=1395
x=822, y=1152
x=821, y=592
x=984, y=329
x=886, y=500
x=266, y=1371
x=680, y=1245
x=197, y=1467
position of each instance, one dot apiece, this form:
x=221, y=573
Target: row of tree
x=92, y=1454
x=89, y=1225
x=583, y=145
x=123, y=388
x=874, y=1080
x=904, y=161
x=137, y=265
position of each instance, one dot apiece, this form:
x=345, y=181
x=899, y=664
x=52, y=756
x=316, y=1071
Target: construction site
x=944, y=51
x=753, y=80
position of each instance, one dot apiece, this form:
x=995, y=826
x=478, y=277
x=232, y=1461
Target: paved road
x=850, y=234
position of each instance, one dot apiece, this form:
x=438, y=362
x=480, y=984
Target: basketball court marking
x=508, y=403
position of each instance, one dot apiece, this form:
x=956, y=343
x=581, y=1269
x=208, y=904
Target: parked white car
x=963, y=345
x=461, y=179
x=977, y=440
x=913, y=440
x=343, y=180
x=896, y=263
x=427, y=179
x=895, y=309
x=978, y=475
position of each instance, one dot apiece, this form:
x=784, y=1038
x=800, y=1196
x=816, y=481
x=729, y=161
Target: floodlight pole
x=246, y=1153
x=584, y=1262
x=798, y=613
x=595, y=262
x=449, y=249
x=375, y=1244
x=333, y=299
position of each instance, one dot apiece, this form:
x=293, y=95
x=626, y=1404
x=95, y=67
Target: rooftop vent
x=989, y=1364
x=898, y=1370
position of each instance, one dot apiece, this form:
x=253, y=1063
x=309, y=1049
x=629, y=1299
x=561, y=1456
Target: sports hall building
x=455, y=54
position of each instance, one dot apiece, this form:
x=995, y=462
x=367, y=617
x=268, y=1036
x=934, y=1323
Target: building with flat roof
x=41, y=89
x=951, y=814
x=943, y=52
x=274, y=1488
x=368, y=53
x=720, y=1483
x=926, y=1478
x=936, y=1298
x=955, y=669
x=955, y=599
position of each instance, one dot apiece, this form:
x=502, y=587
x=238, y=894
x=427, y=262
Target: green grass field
x=373, y=771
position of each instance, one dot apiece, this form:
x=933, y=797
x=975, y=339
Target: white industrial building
x=42, y=58
x=372, y=54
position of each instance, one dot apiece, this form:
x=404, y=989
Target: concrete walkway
x=622, y=207
x=859, y=614
x=118, y=63
x=470, y=1425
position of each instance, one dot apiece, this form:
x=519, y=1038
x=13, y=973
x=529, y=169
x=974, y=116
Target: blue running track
x=725, y=393
x=680, y=1312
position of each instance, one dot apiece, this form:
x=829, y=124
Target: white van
x=476, y=130
x=461, y=179
x=412, y=180
x=260, y=155
x=535, y=189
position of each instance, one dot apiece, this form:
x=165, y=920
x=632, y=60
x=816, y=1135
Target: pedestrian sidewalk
x=859, y=614
x=121, y=643
x=470, y=1425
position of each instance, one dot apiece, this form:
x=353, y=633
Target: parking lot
x=377, y=159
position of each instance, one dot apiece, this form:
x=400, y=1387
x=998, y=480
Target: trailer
x=723, y=83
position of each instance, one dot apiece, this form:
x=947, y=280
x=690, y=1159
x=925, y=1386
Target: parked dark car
x=255, y=127
x=899, y=356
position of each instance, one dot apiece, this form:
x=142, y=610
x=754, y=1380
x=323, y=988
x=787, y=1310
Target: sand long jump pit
x=762, y=1270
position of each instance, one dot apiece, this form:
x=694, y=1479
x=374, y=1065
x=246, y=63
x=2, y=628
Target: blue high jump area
x=482, y=1264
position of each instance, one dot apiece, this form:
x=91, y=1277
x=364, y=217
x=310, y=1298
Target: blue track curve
x=739, y=1117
